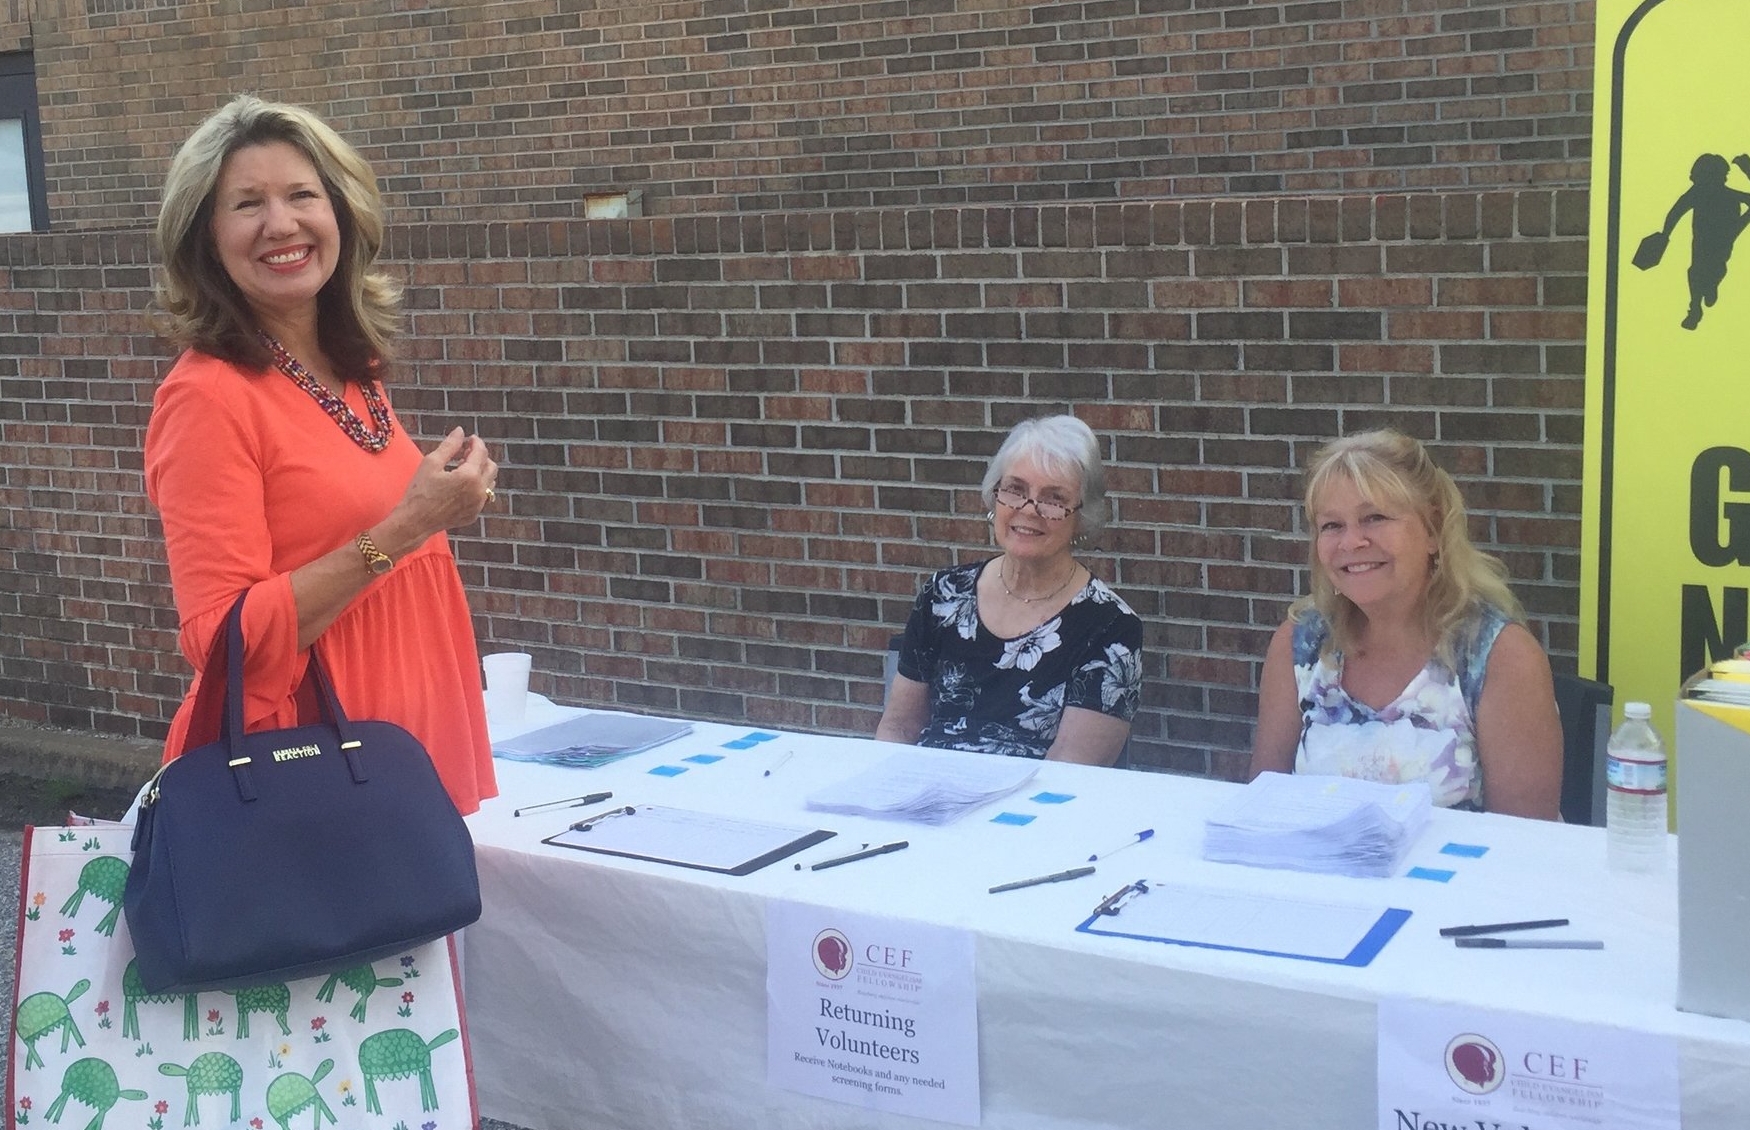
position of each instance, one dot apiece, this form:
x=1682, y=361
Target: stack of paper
x=926, y=787
x=1311, y=823
x=1720, y=690
x=1725, y=680
x=590, y=740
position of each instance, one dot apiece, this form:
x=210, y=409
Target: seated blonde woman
x=1410, y=661
x=1027, y=654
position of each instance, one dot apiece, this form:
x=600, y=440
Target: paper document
x=689, y=839
x=1306, y=822
x=925, y=786
x=1311, y=931
x=590, y=740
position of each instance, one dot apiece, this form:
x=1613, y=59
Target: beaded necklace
x=335, y=405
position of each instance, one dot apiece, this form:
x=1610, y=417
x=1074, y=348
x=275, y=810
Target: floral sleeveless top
x=1427, y=733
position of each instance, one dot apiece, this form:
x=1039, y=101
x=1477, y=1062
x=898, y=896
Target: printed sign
x=1666, y=544
x=875, y=1012
x=1443, y=1067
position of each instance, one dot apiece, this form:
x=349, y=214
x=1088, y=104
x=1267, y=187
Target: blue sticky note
x=760, y=736
x=1052, y=798
x=1433, y=874
x=669, y=770
x=703, y=758
x=740, y=743
x=1011, y=818
x=1468, y=851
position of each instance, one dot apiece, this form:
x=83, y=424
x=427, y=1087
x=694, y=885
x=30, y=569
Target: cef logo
x=832, y=954
x=1474, y=1063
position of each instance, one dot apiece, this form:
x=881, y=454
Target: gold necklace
x=1004, y=581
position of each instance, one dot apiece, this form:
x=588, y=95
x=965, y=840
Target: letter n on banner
x=1666, y=544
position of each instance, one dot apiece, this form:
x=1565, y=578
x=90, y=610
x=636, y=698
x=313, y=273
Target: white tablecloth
x=621, y=993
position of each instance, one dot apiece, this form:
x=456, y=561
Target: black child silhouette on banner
x=1720, y=213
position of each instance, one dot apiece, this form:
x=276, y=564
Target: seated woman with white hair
x=1026, y=654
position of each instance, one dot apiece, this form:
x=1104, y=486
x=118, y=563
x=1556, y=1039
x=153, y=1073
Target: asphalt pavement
x=11, y=863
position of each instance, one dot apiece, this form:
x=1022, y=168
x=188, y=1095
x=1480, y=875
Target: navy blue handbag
x=291, y=853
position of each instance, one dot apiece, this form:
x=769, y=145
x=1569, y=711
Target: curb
x=98, y=760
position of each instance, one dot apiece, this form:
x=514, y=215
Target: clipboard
x=725, y=845
x=1240, y=923
x=590, y=741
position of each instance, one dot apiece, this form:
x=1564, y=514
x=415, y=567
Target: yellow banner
x=1665, y=586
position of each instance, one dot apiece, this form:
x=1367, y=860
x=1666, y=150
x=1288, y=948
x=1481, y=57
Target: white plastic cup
x=507, y=687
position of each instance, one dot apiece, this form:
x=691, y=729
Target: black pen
x=1501, y=928
x=1058, y=877
x=568, y=802
x=856, y=855
x=1527, y=944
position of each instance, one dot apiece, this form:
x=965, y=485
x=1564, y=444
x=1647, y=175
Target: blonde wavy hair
x=1394, y=471
x=358, y=310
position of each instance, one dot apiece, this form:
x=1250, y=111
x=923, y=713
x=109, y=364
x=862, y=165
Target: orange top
x=252, y=479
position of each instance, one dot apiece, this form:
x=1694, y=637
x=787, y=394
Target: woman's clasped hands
x=452, y=486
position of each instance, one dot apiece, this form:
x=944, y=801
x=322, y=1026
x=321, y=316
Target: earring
x=990, y=515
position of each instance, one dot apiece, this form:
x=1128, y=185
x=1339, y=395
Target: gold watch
x=376, y=560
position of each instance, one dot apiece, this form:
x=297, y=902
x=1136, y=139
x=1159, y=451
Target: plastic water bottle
x=1635, y=822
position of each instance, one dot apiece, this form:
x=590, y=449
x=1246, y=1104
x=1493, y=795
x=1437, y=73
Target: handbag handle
x=231, y=723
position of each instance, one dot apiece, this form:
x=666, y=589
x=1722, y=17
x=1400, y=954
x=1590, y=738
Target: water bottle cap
x=1636, y=710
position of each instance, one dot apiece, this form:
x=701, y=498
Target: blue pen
x=1136, y=839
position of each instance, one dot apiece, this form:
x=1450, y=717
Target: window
x=23, y=198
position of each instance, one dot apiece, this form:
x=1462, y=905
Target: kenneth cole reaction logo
x=832, y=954
x=1474, y=1063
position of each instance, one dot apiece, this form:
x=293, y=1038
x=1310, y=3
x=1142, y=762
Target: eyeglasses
x=1015, y=499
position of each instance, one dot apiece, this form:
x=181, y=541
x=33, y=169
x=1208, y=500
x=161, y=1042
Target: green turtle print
x=275, y=1000
x=399, y=1053
x=134, y=994
x=214, y=1073
x=291, y=1094
x=361, y=979
x=93, y=1083
x=41, y=1013
x=103, y=879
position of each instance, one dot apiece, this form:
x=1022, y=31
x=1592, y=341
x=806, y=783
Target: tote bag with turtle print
x=379, y=1047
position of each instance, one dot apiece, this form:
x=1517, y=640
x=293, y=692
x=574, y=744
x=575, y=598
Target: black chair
x=1585, y=709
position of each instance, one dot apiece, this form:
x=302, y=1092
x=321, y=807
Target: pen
x=856, y=855
x=1136, y=839
x=779, y=764
x=569, y=802
x=1072, y=873
x=1501, y=928
x=1525, y=944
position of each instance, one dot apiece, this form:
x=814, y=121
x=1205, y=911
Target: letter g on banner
x=1710, y=514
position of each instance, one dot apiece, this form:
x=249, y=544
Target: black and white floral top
x=992, y=695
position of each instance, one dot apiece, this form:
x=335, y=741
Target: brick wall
x=733, y=445
x=520, y=110
x=736, y=434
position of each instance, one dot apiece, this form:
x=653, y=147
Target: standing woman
x=1027, y=654
x=1410, y=661
x=276, y=463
